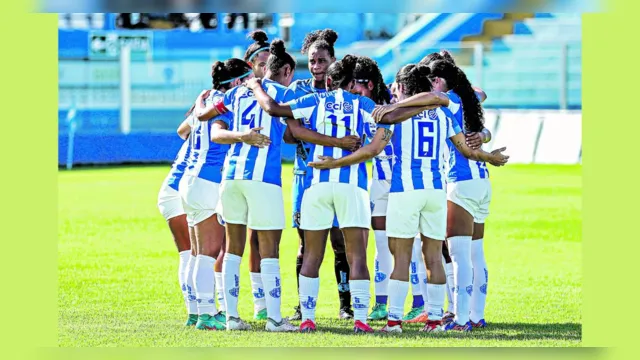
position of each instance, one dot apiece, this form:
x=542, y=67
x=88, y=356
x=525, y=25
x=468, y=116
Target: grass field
x=117, y=268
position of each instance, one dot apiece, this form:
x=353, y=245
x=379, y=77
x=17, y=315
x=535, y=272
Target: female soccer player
x=341, y=191
x=417, y=203
x=170, y=206
x=469, y=196
x=318, y=45
x=256, y=56
x=369, y=83
x=200, y=190
x=251, y=193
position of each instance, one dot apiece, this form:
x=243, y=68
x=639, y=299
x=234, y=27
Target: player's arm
x=267, y=104
x=288, y=137
x=184, y=129
x=204, y=112
x=495, y=158
x=398, y=115
x=221, y=134
x=351, y=142
x=482, y=96
x=367, y=152
x=476, y=139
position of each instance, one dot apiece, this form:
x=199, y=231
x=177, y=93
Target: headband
x=257, y=51
x=238, y=77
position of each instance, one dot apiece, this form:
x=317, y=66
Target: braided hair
x=367, y=69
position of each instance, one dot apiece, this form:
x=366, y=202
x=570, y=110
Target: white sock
x=258, y=292
x=480, y=280
x=204, y=281
x=397, y=296
x=182, y=271
x=422, y=278
x=220, y=291
x=436, y=301
x=414, y=268
x=270, y=270
x=360, y=298
x=460, y=251
x=308, y=294
x=191, y=289
x=448, y=270
x=231, y=283
x=383, y=263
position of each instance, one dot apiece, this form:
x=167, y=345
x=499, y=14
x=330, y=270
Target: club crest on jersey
x=259, y=294
x=309, y=304
x=357, y=304
x=432, y=114
x=346, y=107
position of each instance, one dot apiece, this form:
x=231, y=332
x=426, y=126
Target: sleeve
x=226, y=118
x=454, y=103
x=303, y=107
x=452, y=127
x=367, y=105
x=229, y=98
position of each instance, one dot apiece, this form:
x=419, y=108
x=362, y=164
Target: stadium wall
x=546, y=137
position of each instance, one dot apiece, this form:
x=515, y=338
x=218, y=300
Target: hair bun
x=258, y=36
x=277, y=48
x=328, y=35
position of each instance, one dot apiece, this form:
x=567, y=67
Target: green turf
x=118, y=268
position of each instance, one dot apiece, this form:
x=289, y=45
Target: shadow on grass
x=495, y=331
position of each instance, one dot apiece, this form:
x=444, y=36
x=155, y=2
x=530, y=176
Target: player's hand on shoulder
x=254, y=138
x=381, y=110
x=351, y=142
x=253, y=83
x=324, y=162
x=498, y=158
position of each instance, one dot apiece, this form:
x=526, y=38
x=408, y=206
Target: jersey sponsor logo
x=346, y=107
x=357, y=303
x=259, y=294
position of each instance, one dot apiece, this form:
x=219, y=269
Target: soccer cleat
x=282, y=326
x=433, y=326
x=361, y=328
x=297, y=315
x=392, y=327
x=308, y=326
x=221, y=316
x=479, y=325
x=414, y=313
x=448, y=317
x=454, y=326
x=379, y=312
x=346, y=313
x=208, y=322
x=422, y=318
x=191, y=320
x=261, y=315
x=234, y=323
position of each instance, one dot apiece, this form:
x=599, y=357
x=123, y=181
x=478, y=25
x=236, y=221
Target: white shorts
x=257, y=204
x=379, y=197
x=322, y=201
x=473, y=196
x=200, y=198
x=417, y=211
x=169, y=201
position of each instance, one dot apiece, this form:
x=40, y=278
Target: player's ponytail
x=457, y=81
x=414, y=78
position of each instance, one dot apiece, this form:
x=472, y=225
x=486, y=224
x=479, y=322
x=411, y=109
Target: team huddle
x=426, y=202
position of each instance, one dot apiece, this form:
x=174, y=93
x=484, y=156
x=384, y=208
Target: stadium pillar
x=564, y=78
x=478, y=60
x=125, y=89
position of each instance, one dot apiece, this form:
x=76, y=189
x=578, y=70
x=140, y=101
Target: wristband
x=487, y=137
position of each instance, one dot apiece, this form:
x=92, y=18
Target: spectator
x=209, y=20
x=234, y=16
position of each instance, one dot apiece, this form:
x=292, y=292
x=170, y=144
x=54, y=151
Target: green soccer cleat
x=191, y=320
x=379, y=312
x=261, y=315
x=208, y=322
x=414, y=313
x=221, y=317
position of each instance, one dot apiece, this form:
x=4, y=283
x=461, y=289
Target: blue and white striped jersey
x=301, y=88
x=207, y=157
x=179, y=164
x=419, y=145
x=337, y=113
x=246, y=162
x=461, y=168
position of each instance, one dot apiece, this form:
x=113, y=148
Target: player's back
x=179, y=164
x=461, y=168
x=207, y=157
x=338, y=114
x=248, y=162
x=419, y=145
